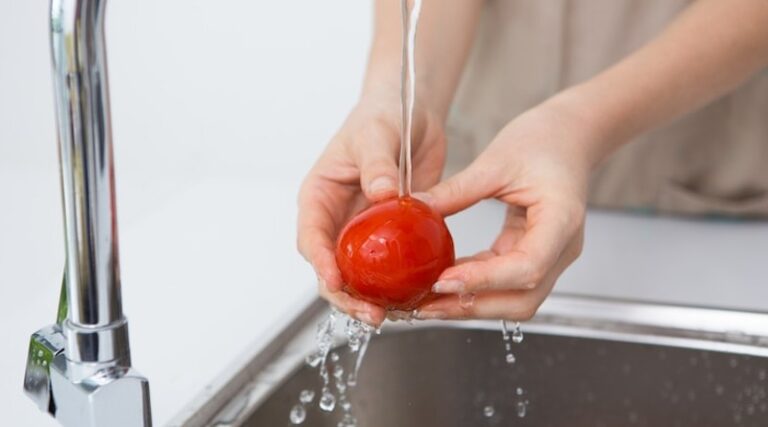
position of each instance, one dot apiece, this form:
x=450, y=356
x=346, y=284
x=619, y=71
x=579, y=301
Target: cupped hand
x=358, y=167
x=538, y=165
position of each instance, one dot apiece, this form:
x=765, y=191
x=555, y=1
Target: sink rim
x=245, y=383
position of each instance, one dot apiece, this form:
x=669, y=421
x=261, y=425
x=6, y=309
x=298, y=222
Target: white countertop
x=211, y=143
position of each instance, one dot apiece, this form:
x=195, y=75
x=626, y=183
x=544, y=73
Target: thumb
x=378, y=167
x=460, y=191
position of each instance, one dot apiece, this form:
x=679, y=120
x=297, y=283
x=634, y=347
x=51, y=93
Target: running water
x=358, y=336
x=516, y=337
x=521, y=405
x=358, y=333
x=408, y=90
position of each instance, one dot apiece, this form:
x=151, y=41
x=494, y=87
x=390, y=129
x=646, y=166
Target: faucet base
x=111, y=396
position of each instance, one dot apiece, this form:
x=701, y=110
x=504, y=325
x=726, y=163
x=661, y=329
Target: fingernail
x=381, y=184
x=424, y=197
x=448, y=287
x=425, y=315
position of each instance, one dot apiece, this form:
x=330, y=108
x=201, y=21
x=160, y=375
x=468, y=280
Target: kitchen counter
x=210, y=147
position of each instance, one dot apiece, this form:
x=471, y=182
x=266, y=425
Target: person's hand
x=359, y=167
x=538, y=165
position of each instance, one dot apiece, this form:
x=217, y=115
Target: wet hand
x=358, y=167
x=538, y=165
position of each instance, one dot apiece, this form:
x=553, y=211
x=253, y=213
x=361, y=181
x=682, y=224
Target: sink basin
x=582, y=363
x=449, y=377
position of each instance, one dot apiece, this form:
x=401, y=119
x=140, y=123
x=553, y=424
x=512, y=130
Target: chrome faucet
x=79, y=369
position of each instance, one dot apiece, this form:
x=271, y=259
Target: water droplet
x=365, y=338
x=522, y=408
x=519, y=391
x=334, y=357
x=466, y=300
x=353, y=334
x=510, y=358
x=488, y=411
x=517, y=334
x=45, y=362
x=338, y=371
x=306, y=396
x=39, y=353
x=347, y=421
x=298, y=414
x=327, y=401
x=346, y=406
x=314, y=359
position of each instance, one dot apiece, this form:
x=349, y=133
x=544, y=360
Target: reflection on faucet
x=79, y=369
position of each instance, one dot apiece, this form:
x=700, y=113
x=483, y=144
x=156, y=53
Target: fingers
x=517, y=305
x=315, y=241
x=525, y=262
x=361, y=310
x=460, y=191
x=510, y=305
x=376, y=152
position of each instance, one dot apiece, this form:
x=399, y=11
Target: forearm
x=712, y=47
x=443, y=40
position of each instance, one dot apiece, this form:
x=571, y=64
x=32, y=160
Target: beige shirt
x=713, y=161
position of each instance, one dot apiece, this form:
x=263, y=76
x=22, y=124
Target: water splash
x=509, y=356
x=358, y=336
x=298, y=414
x=488, y=411
x=306, y=396
x=365, y=338
x=517, y=334
x=347, y=420
x=327, y=401
x=324, y=338
x=521, y=406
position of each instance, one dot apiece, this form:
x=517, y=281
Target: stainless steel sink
x=583, y=362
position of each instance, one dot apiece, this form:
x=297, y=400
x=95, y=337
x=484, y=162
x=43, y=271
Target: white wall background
x=218, y=109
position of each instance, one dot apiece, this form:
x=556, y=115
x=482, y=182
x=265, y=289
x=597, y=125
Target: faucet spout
x=80, y=370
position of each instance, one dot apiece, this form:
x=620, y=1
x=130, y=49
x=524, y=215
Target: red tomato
x=393, y=252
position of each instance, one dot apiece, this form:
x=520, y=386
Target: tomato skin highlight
x=393, y=252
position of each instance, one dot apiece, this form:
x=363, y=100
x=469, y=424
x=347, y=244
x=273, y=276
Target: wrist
x=599, y=131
